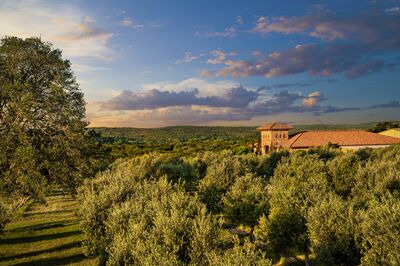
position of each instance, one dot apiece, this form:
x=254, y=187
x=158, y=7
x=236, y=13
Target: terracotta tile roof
x=274, y=126
x=339, y=137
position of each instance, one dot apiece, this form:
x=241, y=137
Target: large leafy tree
x=42, y=127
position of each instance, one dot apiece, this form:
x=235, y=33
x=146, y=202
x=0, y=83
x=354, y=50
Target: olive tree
x=331, y=224
x=246, y=200
x=379, y=231
x=299, y=182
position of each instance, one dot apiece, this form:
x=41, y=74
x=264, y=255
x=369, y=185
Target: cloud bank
x=197, y=101
x=349, y=46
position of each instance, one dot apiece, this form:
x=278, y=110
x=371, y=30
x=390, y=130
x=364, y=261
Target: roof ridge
x=335, y=130
x=296, y=138
x=344, y=137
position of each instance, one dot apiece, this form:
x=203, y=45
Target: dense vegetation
x=44, y=140
x=220, y=208
x=382, y=126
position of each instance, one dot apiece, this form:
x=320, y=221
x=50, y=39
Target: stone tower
x=273, y=136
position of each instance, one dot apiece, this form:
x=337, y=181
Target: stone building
x=275, y=136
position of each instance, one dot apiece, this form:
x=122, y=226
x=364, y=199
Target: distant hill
x=363, y=126
x=182, y=133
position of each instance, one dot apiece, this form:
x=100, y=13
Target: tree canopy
x=42, y=128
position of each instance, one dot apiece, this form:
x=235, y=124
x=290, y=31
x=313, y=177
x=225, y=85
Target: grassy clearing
x=45, y=235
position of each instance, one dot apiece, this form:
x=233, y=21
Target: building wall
x=272, y=139
x=362, y=147
x=349, y=148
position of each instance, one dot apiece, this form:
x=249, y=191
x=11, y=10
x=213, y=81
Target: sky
x=227, y=62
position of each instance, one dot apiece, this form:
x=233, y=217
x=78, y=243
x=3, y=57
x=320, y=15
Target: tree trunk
x=306, y=258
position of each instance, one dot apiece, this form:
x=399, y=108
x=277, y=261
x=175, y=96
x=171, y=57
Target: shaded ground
x=45, y=235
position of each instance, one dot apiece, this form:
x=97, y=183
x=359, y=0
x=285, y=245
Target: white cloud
x=176, y=115
x=205, y=88
x=128, y=22
x=239, y=20
x=189, y=57
x=219, y=57
x=313, y=99
x=67, y=27
x=393, y=10
x=227, y=32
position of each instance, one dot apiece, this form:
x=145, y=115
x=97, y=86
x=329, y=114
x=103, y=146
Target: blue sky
x=159, y=63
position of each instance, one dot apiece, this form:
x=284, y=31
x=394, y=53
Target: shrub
x=379, y=231
x=246, y=255
x=4, y=215
x=221, y=174
x=245, y=201
x=331, y=225
x=341, y=171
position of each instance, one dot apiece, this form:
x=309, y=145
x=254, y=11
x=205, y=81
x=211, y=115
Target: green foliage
x=23, y=175
x=173, y=210
x=331, y=228
x=46, y=234
x=41, y=120
x=261, y=229
x=189, y=140
x=245, y=201
x=268, y=164
x=297, y=185
x=96, y=198
x=286, y=232
x=221, y=174
x=246, y=255
x=156, y=225
x=378, y=176
x=241, y=150
x=341, y=171
x=325, y=153
x=380, y=230
x=4, y=214
x=382, y=126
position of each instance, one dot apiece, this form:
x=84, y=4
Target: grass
x=45, y=234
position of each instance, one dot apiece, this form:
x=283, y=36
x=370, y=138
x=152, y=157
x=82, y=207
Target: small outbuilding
x=393, y=132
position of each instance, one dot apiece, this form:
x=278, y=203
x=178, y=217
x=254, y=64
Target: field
x=45, y=235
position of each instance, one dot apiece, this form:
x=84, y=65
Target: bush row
x=223, y=209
